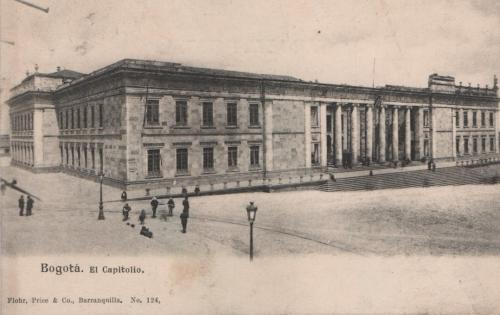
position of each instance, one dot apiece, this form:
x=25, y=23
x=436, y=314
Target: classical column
x=355, y=133
x=322, y=121
x=408, y=133
x=395, y=134
x=420, y=126
x=381, y=135
x=338, y=134
x=369, y=131
x=268, y=137
x=307, y=134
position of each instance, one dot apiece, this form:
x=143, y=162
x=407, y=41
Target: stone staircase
x=420, y=178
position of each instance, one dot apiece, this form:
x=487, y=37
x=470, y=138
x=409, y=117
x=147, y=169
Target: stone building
x=149, y=123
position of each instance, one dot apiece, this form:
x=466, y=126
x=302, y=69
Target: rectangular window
x=232, y=114
x=208, y=159
x=66, y=125
x=62, y=154
x=474, y=145
x=85, y=109
x=101, y=160
x=474, y=119
x=181, y=113
x=492, y=143
x=491, y=119
x=426, y=118
x=152, y=112
x=72, y=118
x=67, y=155
x=232, y=157
x=92, y=157
x=154, y=159
x=101, y=113
x=78, y=126
x=483, y=119
x=254, y=115
x=314, y=116
x=254, y=156
x=79, y=156
x=92, y=116
x=182, y=160
x=315, y=154
x=208, y=114
x=328, y=123
x=483, y=144
x=466, y=118
x=457, y=145
x=466, y=145
x=85, y=157
x=73, y=156
x=426, y=147
x=457, y=119
x=61, y=120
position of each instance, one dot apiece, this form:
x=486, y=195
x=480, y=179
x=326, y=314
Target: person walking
x=185, y=214
x=21, y=205
x=125, y=211
x=171, y=206
x=142, y=216
x=29, y=205
x=154, y=206
x=124, y=196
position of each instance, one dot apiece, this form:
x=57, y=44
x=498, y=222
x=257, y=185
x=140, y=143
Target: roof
x=66, y=74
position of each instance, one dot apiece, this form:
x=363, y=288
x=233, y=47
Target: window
x=61, y=120
x=457, y=145
x=315, y=154
x=62, y=154
x=426, y=147
x=152, y=112
x=466, y=145
x=181, y=113
x=67, y=156
x=457, y=119
x=483, y=119
x=85, y=117
x=492, y=143
x=85, y=157
x=73, y=156
x=474, y=145
x=182, y=160
x=101, y=160
x=426, y=118
x=67, y=119
x=466, y=118
x=232, y=114
x=101, y=112
x=72, y=118
x=208, y=159
x=254, y=156
x=92, y=116
x=78, y=155
x=78, y=126
x=232, y=157
x=474, y=119
x=314, y=116
x=92, y=156
x=328, y=123
x=483, y=144
x=154, y=162
x=254, y=115
x=491, y=119
x=208, y=114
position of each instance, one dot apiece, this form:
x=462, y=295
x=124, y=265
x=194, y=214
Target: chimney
x=27, y=73
x=36, y=67
x=58, y=68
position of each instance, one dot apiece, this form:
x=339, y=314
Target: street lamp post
x=101, y=211
x=251, y=212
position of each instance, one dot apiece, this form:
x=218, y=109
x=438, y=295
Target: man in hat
x=29, y=205
x=21, y=205
x=185, y=214
x=125, y=211
x=154, y=206
x=171, y=206
x=142, y=216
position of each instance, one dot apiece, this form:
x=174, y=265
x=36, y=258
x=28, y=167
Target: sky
x=352, y=42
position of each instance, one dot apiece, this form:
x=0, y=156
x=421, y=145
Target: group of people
x=154, y=206
x=29, y=205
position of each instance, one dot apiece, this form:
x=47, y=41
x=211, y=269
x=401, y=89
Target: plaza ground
x=418, y=250
x=454, y=220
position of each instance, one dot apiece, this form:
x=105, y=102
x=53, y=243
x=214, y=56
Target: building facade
x=147, y=123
